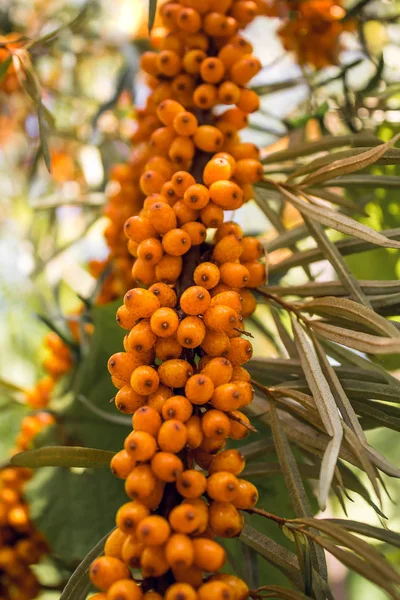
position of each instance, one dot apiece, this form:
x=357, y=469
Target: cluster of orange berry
x=20, y=544
x=181, y=375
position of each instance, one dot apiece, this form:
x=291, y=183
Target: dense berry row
x=181, y=375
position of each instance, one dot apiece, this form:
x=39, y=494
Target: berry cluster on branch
x=181, y=376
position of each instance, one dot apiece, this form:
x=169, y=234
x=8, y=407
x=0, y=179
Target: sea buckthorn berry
x=230, y=298
x=141, y=337
x=144, y=380
x=235, y=117
x=238, y=588
x=196, y=231
x=189, y=20
x=249, y=101
x=160, y=164
x=131, y=552
x=172, y=436
x=132, y=249
x=244, y=11
x=215, y=24
x=124, y=589
x=234, y=274
x=208, y=555
x=212, y=215
x=122, y=364
x=205, y=96
x=206, y=275
x=151, y=182
x=230, y=54
x=168, y=348
x=182, y=151
x=219, y=370
x=226, y=194
x=229, y=249
x=166, y=466
x=212, y=445
x=247, y=495
x=127, y=400
x=249, y=303
x=245, y=69
x=252, y=249
x=185, y=518
x=140, y=445
x=122, y=464
x=176, y=242
x=150, y=251
x=169, y=11
x=185, y=123
x=228, y=228
x=239, y=423
x=199, y=389
x=162, y=217
x=169, y=268
x=229, y=460
x=129, y=515
x=168, y=109
x=152, y=596
x=157, y=399
x=153, y=530
x=180, y=591
x=245, y=150
x=240, y=374
x=168, y=194
x=221, y=318
x=153, y=562
x=141, y=303
x=169, y=64
x=248, y=170
x=184, y=213
x=226, y=397
x=106, y=570
x=140, y=482
x=139, y=229
x=212, y=70
x=208, y=138
x=214, y=589
x=240, y=351
x=191, y=484
x=124, y=318
x=142, y=272
x=165, y=294
x=181, y=181
x=190, y=575
x=114, y=543
x=257, y=273
x=216, y=343
x=146, y=419
x=191, y=332
x=164, y=322
x=228, y=93
x=215, y=424
x=177, y=407
x=192, y=61
x=153, y=500
x=194, y=432
x=225, y=519
x=183, y=84
x=196, y=196
x=222, y=486
x=216, y=170
x=161, y=139
x=195, y=300
x=175, y=373
x=179, y=551
x=148, y=63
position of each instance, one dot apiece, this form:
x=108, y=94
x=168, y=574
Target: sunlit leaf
x=364, y=342
x=63, y=456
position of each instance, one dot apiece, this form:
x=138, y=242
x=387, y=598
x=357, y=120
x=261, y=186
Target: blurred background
x=52, y=225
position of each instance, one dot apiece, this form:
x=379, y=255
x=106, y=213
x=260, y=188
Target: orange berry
x=222, y=486
x=150, y=251
x=191, y=332
x=122, y=364
x=168, y=348
x=130, y=515
x=228, y=92
x=248, y=170
x=185, y=123
x=140, y=482
x=177, y=407
x=176, y=242
x=196, y=196
x=212, y=215
x=168, y=109
x=215, y=424
x=225, y=519
x=238, y=588
x=157, y=399
x=106, y=570
x=219, y=370
x=216, y=170
x=166, y=466
x=234, y=274
x=142, y=272
x=229, y=460
x=257, y=273
x=196, y=231
x=195, y=300
x=127, y=400
x=165, y=294
x=161, y=139
x=237, y=431
x=194, y=432
x=212, y=70
x=245, y=150
x=181, y=181
x=221, y=318
x=141, y=303
x=199, y=389
x=139, y=229
x=191, y=484
x=245, y=69
x=151, y=182
x=172, y=436
x=216, y=343
x=244, y=11
x=215, y=589
x=205, y=96
x=180, y=591
x=174, y=373
x=162, y=217
x=124, y=589
x=249, y=101
x=184, y=213
x=247, y=495
x=208, y=555
x=208, y=138
x=179, y=551
x=144, y=380
x=228, y=249
x=226, y=397
x=164, y=322
x=169, y=268
x=190, y=575
x=192, y=61
x=181, y=150
x=160, y=164
x=114, y=543
x=229, y=298
x=206, y=275
x=189, y=20
x=168, y=64
x=249, y=303
x=122, y=464
x=141, y=338
x=226, y=194
x=124, y=318
x=146, y=419
x=148, y=63
x=185, y=518
x=211, y=445
x=153, y=562
x=140, y=445
x=153, y=530
x=240, y=351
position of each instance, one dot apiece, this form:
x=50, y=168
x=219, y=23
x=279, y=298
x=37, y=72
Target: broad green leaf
x=74, y=507
x=152, y=13
x=349, y=164
x=63, y=456
x=79, y=582
x=364, y=342
x=377, y=533
x=326, y=406
x=352, y=311
x=331, y=252
x=4, y=66
x=338, y=221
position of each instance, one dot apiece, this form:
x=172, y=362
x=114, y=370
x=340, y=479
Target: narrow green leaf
x=4, y=66
x=63, y=456
x=277, y=591
x=370, y=287
x=326, y=406
x=352, y=311
x=79, y=582
x=364, y=342
x=12, y=387
x=338, y=221
x=43, y=133
x=349, y=164
x=365, y=181
x=152, y=13
x=377, y=533
x=72, y=25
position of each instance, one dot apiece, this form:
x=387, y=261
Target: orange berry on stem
x=166, y=466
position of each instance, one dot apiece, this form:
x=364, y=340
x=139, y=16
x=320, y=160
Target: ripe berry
x=216, y=424
x=124, y=589
x=175, y=373
x=179, y=551
x=195, y=300
x=172, y=436
x=191, y=484
x=153, y=530
x=144, y=380
x=199, y=389
x=180, y=591
x=164, y=322
x=191, y=332
x=129, y=515
x=166, y=466
x=228, y=460
x=208, y=555
x=140, y=445
x=106, y=570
